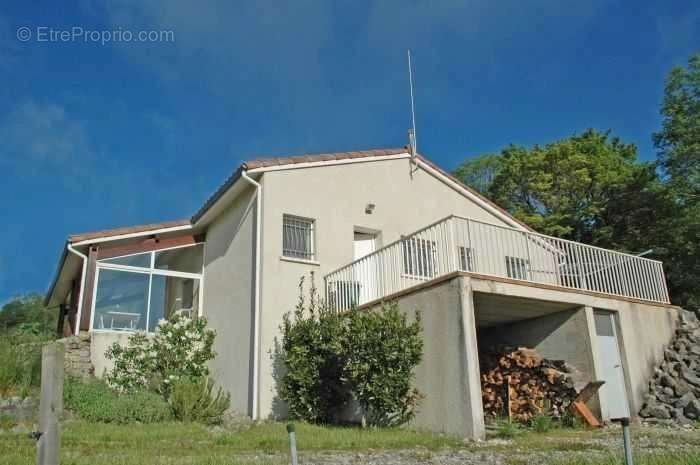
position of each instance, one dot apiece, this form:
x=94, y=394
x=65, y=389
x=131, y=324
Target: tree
x=569, y=188
x=678, y=142
x=678, y=159
x=479, y=172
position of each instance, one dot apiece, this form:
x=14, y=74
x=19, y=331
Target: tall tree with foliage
x=479, y=172
x=678, y=142
x=678, y=145
x=568, y=188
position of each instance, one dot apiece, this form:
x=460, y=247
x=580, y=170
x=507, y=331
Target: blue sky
x=97, y=135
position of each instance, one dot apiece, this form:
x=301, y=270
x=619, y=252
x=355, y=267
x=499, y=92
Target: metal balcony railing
x=463, y=244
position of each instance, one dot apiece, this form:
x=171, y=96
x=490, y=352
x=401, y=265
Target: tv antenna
x=412, y=140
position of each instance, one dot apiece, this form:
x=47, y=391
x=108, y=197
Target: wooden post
x=508, y=399
x=50, y=404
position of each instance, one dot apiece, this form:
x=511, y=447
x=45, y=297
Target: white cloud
x=42, y=135
x=217, y=39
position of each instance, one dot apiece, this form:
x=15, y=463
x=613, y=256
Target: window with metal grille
x=517, y=268
x=466, y=259
x=419, y=257
x=298, y=237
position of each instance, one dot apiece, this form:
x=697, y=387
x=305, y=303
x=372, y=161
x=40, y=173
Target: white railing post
x=452, y=248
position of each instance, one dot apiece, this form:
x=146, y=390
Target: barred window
x=517, y=268
x=419, y=257
x=298, y=237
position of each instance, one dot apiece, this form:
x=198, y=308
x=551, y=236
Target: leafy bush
x=195, y=401
x=313, y=353
x=27, y=315
x=20, y=364
x=382, y=349
x=333, y=357
x=180, y=348
x=95, y=401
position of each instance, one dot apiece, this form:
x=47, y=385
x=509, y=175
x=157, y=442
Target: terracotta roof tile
x=125, y=230
x=310, y=158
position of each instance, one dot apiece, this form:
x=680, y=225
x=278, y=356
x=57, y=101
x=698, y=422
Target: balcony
x=456, y=244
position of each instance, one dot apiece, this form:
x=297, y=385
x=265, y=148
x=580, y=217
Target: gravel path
x=506, y=452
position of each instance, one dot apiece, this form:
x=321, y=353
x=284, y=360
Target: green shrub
x=20, y=364
x=506, y=429
x=95, y=401
x=541, y=423
x=331, y=357
x=180, y=348
x=195, y=401
x=312, y=351
x=382, y=350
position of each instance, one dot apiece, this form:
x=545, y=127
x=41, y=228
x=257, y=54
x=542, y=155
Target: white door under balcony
x=365, y=274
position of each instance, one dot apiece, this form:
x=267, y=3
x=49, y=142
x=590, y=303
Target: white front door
x=365, y=273
x=613, y=392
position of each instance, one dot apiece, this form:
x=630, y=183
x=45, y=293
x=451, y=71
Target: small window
x=603, y=324
x=419, y=257
x=298, y=238
x=517, y=268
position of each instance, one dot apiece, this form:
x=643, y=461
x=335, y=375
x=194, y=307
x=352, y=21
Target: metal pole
x=627, y=441
x=292, y=443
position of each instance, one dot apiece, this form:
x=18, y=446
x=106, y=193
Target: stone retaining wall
x=77, y=362
x=674, y=392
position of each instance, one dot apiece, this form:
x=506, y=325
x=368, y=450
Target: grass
x=90, y=443
x=267, y=443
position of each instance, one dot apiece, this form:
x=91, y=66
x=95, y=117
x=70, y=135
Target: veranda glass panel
x=120, y=303
x=185, y=259
x=142, y=260
x=171, y=295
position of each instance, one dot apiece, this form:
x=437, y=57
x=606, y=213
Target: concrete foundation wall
x=448, y=376
x=229, y=272
x=644, y=332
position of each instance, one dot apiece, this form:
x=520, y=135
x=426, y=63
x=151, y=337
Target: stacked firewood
x=518, y=383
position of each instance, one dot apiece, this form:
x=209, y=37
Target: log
x=519, y=383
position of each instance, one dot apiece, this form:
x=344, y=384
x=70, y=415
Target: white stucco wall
x=448, y=376
x=100, y=341
x=405, y=200
x=229, y=264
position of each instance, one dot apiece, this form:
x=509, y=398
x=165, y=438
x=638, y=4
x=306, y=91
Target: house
x=372, y=225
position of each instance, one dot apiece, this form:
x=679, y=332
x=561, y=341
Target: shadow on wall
x=280, y=410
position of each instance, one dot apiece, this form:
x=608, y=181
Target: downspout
x=82, y=288
x=256, y=310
